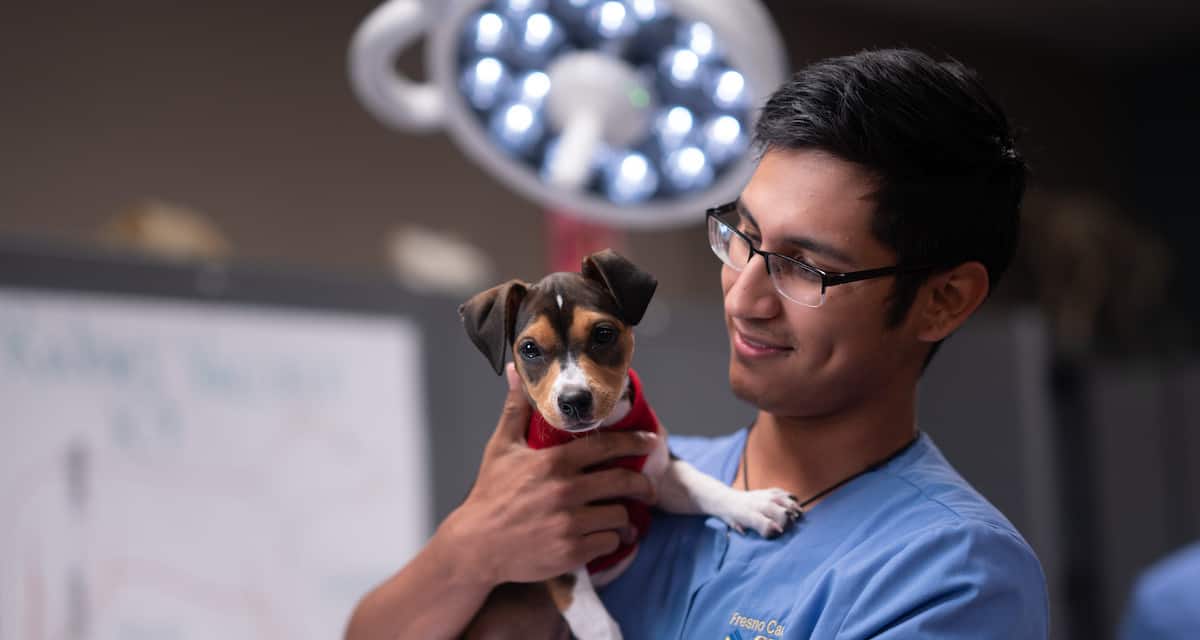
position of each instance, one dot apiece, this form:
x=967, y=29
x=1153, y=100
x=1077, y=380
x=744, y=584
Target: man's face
x=798, y=361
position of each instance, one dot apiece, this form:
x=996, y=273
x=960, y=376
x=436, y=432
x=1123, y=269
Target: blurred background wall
x=243, y=111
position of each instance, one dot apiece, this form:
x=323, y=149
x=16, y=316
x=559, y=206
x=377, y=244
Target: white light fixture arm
x=575, y=150
x=393, y=98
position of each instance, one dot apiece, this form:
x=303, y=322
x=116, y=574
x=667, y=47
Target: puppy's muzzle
x=576, y=405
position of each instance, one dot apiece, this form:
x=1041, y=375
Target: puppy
x=570, y=337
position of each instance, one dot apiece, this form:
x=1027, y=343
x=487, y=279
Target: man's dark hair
x=949, y=179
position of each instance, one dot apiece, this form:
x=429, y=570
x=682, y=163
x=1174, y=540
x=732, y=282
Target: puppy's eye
x=529, y=350
x=603, y=335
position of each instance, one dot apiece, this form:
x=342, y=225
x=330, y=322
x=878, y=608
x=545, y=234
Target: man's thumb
x=514, y=418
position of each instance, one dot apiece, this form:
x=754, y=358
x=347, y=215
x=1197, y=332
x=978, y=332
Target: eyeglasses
x=797, y=281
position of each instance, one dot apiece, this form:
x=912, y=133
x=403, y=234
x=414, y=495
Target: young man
x=883, y=211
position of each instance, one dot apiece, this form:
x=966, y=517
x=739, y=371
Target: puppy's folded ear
x=631, y=287
x=488, y=318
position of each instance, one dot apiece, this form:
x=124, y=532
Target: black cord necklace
x=824, y=492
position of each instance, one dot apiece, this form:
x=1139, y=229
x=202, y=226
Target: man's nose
x=752, y=293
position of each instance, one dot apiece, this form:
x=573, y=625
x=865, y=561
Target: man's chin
x=744, y=385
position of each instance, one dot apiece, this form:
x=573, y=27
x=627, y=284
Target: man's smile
x=757, y=345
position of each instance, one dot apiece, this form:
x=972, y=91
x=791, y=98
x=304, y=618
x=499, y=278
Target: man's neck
x=806, y=455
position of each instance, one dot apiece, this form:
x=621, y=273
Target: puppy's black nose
x=576, y=404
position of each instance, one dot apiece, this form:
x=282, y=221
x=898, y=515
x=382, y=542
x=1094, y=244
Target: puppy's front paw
x=767, y=511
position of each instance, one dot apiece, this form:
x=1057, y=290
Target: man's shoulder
x=926, y=493
x=922, y=504
x=930, y=536
x=967, y=575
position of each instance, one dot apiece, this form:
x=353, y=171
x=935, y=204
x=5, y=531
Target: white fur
x=681, y=488
x=586, y=615
x=621, y=409
x=570, y=378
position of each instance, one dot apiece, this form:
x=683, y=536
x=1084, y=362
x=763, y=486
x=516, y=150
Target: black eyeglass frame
x=828, y=278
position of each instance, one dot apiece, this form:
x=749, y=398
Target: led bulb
x=629, y=178
x=484, y=83
x=723, y=139
x=531, y=88
x=672, y=127
x=726, y=89
x=486, y=34
x=687, y=169
x=517, y=128
x=538, y=41
x=607, y=21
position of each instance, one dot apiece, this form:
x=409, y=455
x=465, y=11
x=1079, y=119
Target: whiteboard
x=182, y=470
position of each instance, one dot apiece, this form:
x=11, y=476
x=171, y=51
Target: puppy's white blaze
x=570, y=378
x=559, y=299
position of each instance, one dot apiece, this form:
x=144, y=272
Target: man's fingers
x=597, y=544
x=585, y=452
x=629, y=535
x=614, y=483
x=514, y=417
x=604, y=517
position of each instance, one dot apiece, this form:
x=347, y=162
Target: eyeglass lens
x=790, y=279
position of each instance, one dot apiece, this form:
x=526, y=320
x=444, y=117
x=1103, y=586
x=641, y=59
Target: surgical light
x=634, y=112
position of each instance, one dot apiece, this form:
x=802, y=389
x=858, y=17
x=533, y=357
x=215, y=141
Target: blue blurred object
x=518, y=10
x=538, y=40
x=571, y=12
x=723, y=139
x=607, y=21
x=485, y=82
x=1165, y=603
x=629, y=177
x=687, y=169
x=518, y=128
x=726, y=89
x=673, y=126
x=680, y=75
x=531, y=88
x=649, y=10
x=487, y=34
x=699, y=38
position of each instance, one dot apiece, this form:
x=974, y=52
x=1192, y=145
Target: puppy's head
x=570, y=335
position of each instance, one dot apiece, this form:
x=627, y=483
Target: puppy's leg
x=684, y=489
x=518, y=611
x=576, y=598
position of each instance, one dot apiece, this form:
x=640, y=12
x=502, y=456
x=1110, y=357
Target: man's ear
x=949, y=297
x=631, y=287
x=489, y=317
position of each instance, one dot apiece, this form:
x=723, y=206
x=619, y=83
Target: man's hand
x=530, y=515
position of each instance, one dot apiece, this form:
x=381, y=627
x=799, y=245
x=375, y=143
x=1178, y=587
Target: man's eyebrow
x=806, y=243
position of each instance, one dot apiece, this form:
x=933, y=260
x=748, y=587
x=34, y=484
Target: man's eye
x=603, y=335
x=529, y=350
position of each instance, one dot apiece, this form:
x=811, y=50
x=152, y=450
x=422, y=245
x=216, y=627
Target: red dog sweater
x=542, y=434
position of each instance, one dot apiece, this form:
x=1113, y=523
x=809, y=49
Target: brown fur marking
x=561, y=589
x=607, y=382
x=541, y=332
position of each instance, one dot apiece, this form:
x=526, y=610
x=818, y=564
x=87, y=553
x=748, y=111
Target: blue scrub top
x=1166, y=600
x=907, y=551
